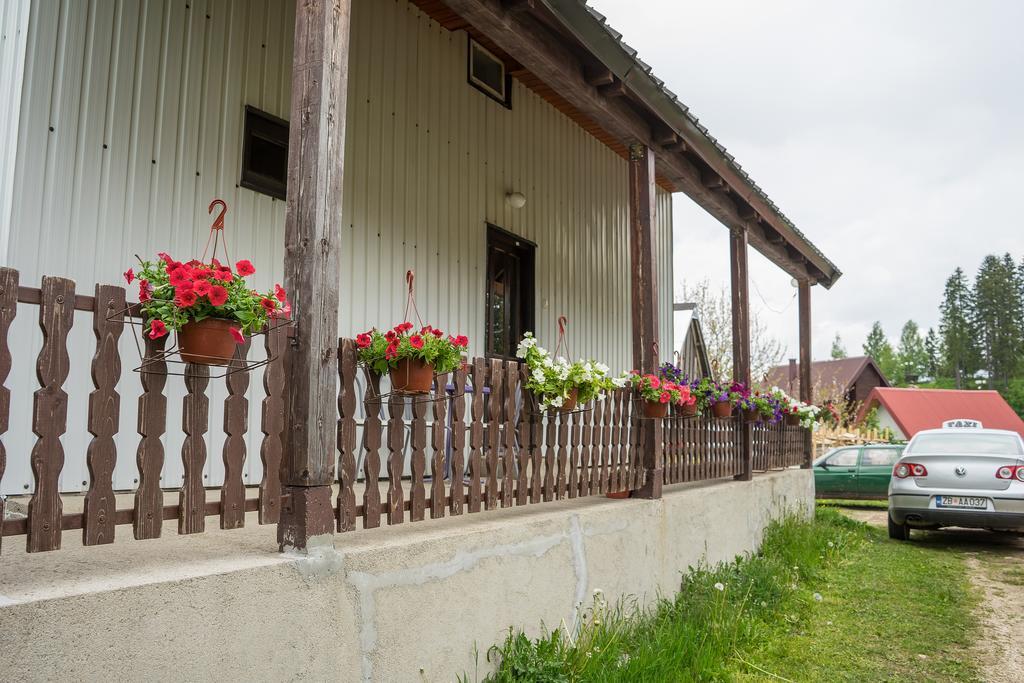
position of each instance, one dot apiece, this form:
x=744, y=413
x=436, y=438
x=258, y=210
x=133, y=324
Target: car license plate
x=961, y=502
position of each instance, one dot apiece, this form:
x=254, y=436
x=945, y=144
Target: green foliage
x=657, y=390
x=553, y=379
x=877, y=346
x=838, y=349
x=381, y=351
x=956, y=329
x=1014, y=395
x=871, y=419
x=933, y=351
x=999, y=317
x=911, y=356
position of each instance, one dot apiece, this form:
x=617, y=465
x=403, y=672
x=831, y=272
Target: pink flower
x=665, y=397
x=129, y=275
x=280, y=293
x=239, y=339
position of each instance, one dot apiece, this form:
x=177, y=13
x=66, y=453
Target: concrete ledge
x=407, y=603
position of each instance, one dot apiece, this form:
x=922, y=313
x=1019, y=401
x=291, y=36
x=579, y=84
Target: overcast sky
x=890, y=132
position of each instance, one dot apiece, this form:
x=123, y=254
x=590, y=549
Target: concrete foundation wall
x=408, y=603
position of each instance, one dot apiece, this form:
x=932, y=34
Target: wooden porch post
x=644, y=290
x=312, y=263
x=806, y=383
x=741, y=339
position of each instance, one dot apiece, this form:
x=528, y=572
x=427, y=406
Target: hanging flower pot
x=409, y=358
x=751, y=415
x=412, y=376
x=655, y=409
x=210, y=341
x=569, y=404
x=618, y=495
x=793, y=419
x=561, y=385
x=658, y=393
x=686, y=409
x=721, y=409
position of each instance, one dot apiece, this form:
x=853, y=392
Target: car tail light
x=1010, y=472
x=909, y=469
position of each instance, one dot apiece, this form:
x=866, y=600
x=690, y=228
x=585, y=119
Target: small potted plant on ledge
x=209, y=305
x=658, y=394
x=560, y=384
x=411, y=358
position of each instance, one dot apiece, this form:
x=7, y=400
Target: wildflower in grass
x=719, y=586
x=817, y=597
x=623, y=659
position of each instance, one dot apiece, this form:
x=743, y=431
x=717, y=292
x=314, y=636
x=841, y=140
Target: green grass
x=870, y=504
x=828, y=600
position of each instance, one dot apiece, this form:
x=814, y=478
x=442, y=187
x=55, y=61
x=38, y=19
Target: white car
x=961, y=475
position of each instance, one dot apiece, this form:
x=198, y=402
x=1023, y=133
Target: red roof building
x=908, y=411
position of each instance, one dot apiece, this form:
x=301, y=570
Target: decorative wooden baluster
x=195, y=415
x=50, y=413
x=372, y=437
x=396, y=458
x=8, y=309
x=550, y=441
x=536, y=443
x=563, y=454
x=458, y=440
x=236, y=422
x=615, y=445
x=149, y=458
x=476, y=435
x=275, y=342
x=494, y=403
x=574, y=452
x=418, y=491
x=438, y=432
x=586, y=457
x=104, y=412
x=525, y=446
x=347, y=369
x=606, y=443
x=509, y=463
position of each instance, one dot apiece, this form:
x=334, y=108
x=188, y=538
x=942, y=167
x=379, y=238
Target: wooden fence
x=477, y=443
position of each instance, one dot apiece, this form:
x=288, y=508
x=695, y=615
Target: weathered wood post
x=644, y=288
x=741, y=339
x=806, y=383
x=316, y=143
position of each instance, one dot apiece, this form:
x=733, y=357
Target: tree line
x=979, y=342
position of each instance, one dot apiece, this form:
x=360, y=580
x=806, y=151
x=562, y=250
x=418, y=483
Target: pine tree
x=911, y=356
x=998, y=317
x=933, y=348
x=880, y=350
x=959, y=343
x=838, y=350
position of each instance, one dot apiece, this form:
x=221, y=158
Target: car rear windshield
x=981, y=444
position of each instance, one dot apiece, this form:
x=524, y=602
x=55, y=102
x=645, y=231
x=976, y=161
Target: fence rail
x=478, y=443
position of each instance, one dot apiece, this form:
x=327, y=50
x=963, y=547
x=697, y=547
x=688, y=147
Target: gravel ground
x=996, y=565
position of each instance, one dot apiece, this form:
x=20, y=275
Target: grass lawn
x=869, y=504
x=829, y=600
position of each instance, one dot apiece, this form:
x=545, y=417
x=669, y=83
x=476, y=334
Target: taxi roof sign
x=962, y=423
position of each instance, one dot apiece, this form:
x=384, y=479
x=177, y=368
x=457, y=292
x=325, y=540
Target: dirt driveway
x=996, y=565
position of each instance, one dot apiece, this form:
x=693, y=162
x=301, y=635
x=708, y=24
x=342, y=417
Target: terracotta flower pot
x=618, y=494
x=792, y=419
x=207, y=341
x=751, y=414
x=569, y=404
x=721, y=409
x=655, y=409
x=687, y=410
x=412, y=376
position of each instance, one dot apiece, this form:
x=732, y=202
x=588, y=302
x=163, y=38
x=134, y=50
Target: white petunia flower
x=719, y=586
x=538, y=375
x=557, y=401
x=602, y=368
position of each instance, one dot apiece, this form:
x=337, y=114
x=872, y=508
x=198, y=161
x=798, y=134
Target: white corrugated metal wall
x=145, y=102
x=13, y=35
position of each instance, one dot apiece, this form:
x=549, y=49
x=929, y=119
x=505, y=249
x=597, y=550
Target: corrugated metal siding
x=429, y=161
x=13, y=35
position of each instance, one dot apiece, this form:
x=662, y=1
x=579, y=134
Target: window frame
x=504, y=99
x=896, y=452
x=499, y=237
x=856, y=457
x=256, y=121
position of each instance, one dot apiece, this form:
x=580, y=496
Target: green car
x=856, y=471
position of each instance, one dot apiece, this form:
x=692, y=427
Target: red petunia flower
x=185, y=298
x=655, y=382
x=157, y=329
x=391, y=351
x=269, y=305
x=405, y=327
x=202, y=287
x=462, y=340
x=280, y=293
x=218, y=295
x=180, y=276
x=239, y=339
x=165, y=257
x=145, y=290
x=437, y=333
x=129, y=275
x=245, y=268
x=416, y=341
x=390, y=335
x=223, y=275
x=363, y=340
x=665, y=397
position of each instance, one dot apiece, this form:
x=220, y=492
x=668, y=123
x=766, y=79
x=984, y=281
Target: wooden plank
x=417, y=489
x=494, y=403
x=561, y=482
x=523, y=480
x=586, y=454
x=536, y=445
x=476, y=435
x=347, y=369
x=236, y=423
x=372, y=429
x=49, y=413
x=8, y=310
x=195, y=414
x=574, y=453
x=458, y=441
x=550, y=441
x=149, y=457
x=438, y=432
x=275, y=343
x=508, y=462
x=806, y=383
x=396, y=458
x=104, y=414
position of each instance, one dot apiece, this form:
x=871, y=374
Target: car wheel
x=900, y=532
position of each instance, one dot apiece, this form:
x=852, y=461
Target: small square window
x=488, y=75
x=265, y=153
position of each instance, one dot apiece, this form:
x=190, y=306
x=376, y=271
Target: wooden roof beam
x=598, y=76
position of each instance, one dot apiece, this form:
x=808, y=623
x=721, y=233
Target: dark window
x=488, y=75
x=265, y=153
x=509, y=296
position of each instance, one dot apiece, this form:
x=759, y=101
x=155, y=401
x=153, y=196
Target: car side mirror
x=823, y=465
